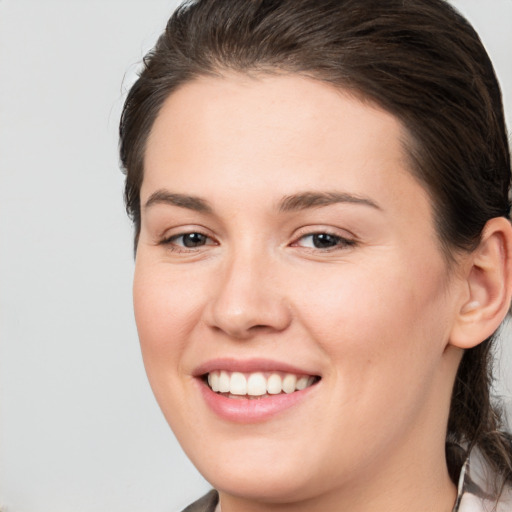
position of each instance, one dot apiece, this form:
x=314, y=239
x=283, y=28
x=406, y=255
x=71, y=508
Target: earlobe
x=489, y=284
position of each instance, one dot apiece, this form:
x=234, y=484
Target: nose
x=248, y=299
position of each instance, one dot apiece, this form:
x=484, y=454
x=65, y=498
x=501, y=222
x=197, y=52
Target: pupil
x=323, y=240
x=194, y=239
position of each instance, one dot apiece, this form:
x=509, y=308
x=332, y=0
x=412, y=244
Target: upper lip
x=248, y=366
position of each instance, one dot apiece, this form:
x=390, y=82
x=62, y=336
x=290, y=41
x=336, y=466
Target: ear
x=488, y=277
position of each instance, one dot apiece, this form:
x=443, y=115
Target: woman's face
x=284, y=243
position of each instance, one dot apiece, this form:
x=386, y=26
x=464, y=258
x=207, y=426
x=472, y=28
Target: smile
x=257, y=385
x=254, y=390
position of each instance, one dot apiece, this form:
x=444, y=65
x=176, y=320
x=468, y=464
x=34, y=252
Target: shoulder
x=205, y=504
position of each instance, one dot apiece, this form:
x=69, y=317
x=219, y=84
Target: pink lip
x=248, y=366
x=250, y=410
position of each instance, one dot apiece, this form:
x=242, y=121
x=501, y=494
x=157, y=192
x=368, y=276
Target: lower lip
x=255, y=410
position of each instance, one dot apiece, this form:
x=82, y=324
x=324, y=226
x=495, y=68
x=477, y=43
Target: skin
x=372, y=316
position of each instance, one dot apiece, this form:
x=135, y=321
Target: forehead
x=277, y=120
x=241, y=105
x=267, y=137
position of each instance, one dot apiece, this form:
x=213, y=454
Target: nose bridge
x=247, y=299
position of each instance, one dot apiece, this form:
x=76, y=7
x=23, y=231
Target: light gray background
x=80, y=430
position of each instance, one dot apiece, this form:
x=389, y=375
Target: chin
x=270, y=485
x=272, y=475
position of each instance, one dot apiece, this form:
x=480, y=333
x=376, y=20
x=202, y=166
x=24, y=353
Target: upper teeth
x=257, y=384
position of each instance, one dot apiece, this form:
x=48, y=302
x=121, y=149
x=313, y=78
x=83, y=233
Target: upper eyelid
x=176, y=231
x=333, y=231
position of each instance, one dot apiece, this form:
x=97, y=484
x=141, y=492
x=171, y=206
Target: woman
x=323, y=252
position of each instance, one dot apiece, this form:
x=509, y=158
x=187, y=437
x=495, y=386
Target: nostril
x=260, y=327
x=241, y=332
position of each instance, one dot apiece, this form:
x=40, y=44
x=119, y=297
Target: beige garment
x=207, y=503
x=477, y=488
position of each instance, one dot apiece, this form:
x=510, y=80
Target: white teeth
x=224, y=381
x=256, y=384
x=274, y=384
x=213, y=380
x=302, y=383
x=238, y=384
x=289, y=382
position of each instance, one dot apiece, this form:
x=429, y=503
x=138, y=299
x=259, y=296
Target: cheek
x=378, y=320
x=384, y=336
x=167, y=307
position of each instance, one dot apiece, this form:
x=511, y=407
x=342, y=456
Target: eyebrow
x=183, y=201
x=305, y=200
x=294, y=202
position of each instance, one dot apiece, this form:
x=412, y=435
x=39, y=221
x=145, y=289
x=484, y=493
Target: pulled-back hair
x=419, y=60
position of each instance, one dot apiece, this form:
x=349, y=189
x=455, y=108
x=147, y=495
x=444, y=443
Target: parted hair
x=418, y=59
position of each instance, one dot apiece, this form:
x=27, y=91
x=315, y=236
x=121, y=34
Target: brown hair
x=419, y=60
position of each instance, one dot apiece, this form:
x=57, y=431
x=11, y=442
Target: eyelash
x=170, y=241
x=340, y=242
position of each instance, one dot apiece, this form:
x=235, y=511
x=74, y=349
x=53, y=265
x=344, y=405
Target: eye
x=184, y=241
x=190, y=240
x=323, y=241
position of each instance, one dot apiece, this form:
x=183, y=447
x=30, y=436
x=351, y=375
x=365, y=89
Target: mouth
x=253, y=391
x=256, y=385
